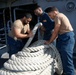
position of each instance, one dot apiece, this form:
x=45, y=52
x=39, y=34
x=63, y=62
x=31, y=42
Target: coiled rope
x=37, y=59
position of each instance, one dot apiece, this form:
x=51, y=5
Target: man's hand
x=42, y=28
x=47, y=42
x=40, y=24
x=30, y=34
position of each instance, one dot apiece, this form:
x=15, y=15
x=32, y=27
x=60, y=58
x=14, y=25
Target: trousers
x=65, y=44
x=14, y=45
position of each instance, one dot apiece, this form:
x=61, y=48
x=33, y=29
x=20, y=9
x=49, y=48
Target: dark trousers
x=14, y=45
x=65, y=44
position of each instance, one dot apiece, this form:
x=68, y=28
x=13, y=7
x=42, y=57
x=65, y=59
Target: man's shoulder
x=60, y=15
x=18, y=24
x=45, y=14
x=17, y=21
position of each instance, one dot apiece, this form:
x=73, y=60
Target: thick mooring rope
x=37, y=59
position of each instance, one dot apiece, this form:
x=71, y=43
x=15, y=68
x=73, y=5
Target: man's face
x=28, y=20
x=51, y=15
x=38, y=11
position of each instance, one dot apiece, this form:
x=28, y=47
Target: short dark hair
x=50, y=9
x=36, y=7
x=28, y=15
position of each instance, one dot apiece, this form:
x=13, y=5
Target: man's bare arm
x=18, y=33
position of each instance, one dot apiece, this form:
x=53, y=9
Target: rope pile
x=37, y=59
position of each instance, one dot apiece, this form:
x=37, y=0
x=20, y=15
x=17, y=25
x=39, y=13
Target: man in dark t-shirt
x=47, y=23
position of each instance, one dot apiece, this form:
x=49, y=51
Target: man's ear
x=24, y=17
x=54, y=12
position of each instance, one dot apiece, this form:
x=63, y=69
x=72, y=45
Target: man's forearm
x=20, y=36
x=53, y=37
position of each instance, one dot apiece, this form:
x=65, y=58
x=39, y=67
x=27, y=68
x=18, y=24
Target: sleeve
x=49, y=19
x=49, y=24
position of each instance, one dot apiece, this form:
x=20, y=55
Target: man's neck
x=42, y=13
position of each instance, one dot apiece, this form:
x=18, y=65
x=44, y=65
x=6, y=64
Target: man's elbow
x=18, y=36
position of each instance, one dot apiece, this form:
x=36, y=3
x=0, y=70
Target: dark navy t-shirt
x=48, y=24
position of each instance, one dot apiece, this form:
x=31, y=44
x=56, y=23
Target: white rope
x=2, y=47
x=30, y=54
x=38, y=59
x=37, y=48
x=56, y=56
x=34, y=32
x=27, y=66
